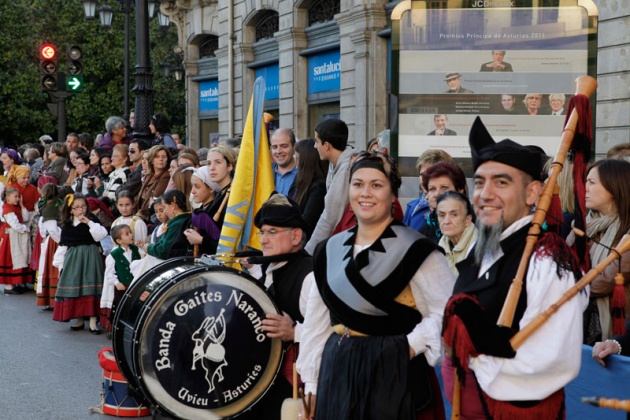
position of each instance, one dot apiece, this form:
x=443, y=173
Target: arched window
x=208, y=46
x=267, y=26
x=323, y=11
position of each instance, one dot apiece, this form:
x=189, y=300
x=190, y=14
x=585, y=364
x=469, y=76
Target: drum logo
x=209, y=350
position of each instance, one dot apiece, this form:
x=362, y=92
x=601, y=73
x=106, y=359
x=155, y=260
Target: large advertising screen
x=513, y=67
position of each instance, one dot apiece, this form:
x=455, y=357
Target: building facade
x=325, y=58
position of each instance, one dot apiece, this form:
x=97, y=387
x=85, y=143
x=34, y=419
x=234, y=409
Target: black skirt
x=371, y=378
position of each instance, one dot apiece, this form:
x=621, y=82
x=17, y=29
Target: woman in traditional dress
x=14, y=244
x=375, y=315
x=608, y=201
x=10, y=162
x=457, y=224
x=50, y=231
x=81, y=265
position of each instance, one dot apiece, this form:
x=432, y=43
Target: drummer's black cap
x=279, y=210
x=529, y=159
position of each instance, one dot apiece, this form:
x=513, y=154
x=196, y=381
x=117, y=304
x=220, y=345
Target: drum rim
x=175, y=407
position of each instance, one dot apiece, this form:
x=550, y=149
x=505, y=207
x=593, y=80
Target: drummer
x=287, y=279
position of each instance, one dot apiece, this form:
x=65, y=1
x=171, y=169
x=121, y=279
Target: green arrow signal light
x=74, y=83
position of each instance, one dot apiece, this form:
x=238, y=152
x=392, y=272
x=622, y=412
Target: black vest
x=287, y=284
x=396, y=255
x=491, y=289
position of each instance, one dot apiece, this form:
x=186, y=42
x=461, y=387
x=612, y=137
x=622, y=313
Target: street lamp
x=145, y=10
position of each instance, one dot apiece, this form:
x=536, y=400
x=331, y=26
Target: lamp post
x=143, y=77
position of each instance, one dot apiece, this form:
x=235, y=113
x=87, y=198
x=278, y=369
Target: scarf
x=459, y=252
x=607, y=227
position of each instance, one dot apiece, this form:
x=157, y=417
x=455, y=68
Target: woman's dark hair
x=100, y=169
x=100, y=151
x=614, y=174
x=456, y=195
x=50, y=192
x=177, y=197
x=86, y=140
x=449, y=170
x=161, y=124
x=379, y=161
x=66, y=209
x=309, y=168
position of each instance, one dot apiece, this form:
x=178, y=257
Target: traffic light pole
x=60, y=105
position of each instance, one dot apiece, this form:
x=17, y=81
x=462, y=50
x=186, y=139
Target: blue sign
x=324, y=72
x=272, y=80
x=209, y=95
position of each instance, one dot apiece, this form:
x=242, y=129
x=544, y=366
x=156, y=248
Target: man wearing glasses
x=287, y=273
x=134, y=180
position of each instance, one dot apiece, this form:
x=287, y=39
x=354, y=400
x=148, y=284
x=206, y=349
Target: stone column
x=293, y=80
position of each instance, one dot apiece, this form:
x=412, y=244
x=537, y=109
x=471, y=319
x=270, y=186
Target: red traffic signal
x=48, y=52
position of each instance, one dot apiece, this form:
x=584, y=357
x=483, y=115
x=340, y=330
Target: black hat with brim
x=483, y=148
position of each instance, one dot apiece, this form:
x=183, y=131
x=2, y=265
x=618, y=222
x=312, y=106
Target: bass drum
x=188, y=336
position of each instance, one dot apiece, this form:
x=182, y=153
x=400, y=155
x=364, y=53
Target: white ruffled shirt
x=551, y=357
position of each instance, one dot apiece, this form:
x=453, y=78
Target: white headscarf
x=202, y=174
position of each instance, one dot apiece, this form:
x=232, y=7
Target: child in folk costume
x=50, y=231
x=20, y=179
x=124, y=203
x=79, y=259
x=14, y=244
x=118, y=275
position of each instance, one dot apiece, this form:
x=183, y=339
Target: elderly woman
x=116, y=133
x=374, y=317
x=457, y=224
x=437, y=180
x=608, y=201
x=120, y=162
x=155, y=180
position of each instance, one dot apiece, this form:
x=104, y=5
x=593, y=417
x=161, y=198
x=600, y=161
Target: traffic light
x=48, y=60
x=75, y=56
x=74, y=79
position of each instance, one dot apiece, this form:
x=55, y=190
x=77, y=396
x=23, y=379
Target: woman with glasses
x=374, y=318
x=79, y=259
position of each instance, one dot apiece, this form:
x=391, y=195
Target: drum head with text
x=203, y=353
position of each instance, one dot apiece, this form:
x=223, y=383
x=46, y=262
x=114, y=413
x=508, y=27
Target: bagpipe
x=575, y=137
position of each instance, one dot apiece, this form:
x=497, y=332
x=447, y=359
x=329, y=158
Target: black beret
x=529, y=159
x=281, y=216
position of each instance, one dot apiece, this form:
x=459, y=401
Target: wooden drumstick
x=217, y=215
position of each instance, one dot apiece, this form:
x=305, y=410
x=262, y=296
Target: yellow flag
x=253, y=180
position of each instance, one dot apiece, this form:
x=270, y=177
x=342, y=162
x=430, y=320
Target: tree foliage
x=27, y=24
